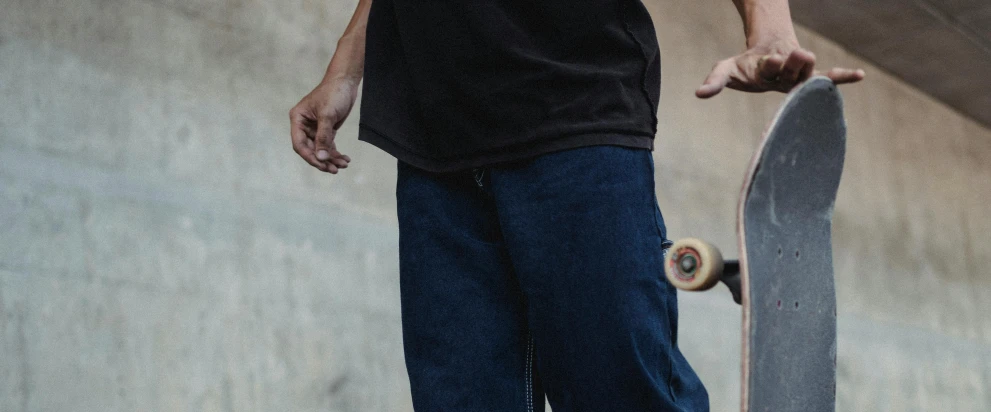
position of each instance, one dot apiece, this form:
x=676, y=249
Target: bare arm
x=773, y=61
x=766, y=21
x=349, y=58
x=317, y=117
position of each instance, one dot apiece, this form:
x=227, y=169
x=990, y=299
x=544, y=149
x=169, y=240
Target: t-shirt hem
x=503, y=155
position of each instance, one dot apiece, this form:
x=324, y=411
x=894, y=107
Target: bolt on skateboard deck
x=784, y=278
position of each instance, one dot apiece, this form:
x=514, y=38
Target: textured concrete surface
x=942, y=47
x=163, y=249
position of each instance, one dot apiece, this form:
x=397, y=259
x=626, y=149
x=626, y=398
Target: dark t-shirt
x=452, y=85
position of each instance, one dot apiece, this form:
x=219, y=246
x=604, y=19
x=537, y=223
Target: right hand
x=316, y=119
x=776, y=66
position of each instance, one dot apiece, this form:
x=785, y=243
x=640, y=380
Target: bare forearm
x=348, y=62
x=766, y=21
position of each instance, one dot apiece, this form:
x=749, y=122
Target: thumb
x=716, y=81
x=324, y=139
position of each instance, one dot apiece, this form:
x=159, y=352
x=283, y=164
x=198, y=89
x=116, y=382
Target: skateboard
x=784, y=277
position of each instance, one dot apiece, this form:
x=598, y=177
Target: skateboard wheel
x=693, y=264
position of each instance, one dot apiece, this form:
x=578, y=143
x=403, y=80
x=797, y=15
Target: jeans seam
x=665, y=243
x=528, y=378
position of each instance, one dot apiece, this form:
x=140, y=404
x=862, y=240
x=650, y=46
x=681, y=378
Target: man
x=530, y=237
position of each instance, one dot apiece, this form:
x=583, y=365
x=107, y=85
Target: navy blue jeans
x=537, y=277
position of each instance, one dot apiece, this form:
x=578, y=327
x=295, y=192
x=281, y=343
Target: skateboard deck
x=784, y=278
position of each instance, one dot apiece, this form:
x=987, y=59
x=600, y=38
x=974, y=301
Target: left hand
x=779, y=67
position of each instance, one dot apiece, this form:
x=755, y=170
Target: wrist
x=767, y=23
x=341, y=82
x=773, y=43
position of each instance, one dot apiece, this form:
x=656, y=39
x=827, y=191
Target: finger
x=334, y=154
x=338, y=159
x=794, y=65
x=304, y=150
x=807, y=70
x=717, y=79
x=324, y=139
x=841, y=76
x=769, y=68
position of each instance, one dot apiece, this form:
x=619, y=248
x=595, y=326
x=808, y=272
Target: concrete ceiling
x=943, y=47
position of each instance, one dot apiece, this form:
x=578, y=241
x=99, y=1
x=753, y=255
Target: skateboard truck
x=695, y=265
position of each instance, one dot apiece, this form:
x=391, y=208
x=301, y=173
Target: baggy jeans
x=542, y=276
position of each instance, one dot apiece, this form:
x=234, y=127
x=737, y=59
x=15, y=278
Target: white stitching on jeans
x=479, y=175
x=529, y=374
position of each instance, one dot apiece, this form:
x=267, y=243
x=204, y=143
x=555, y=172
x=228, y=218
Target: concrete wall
x=163, y=249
